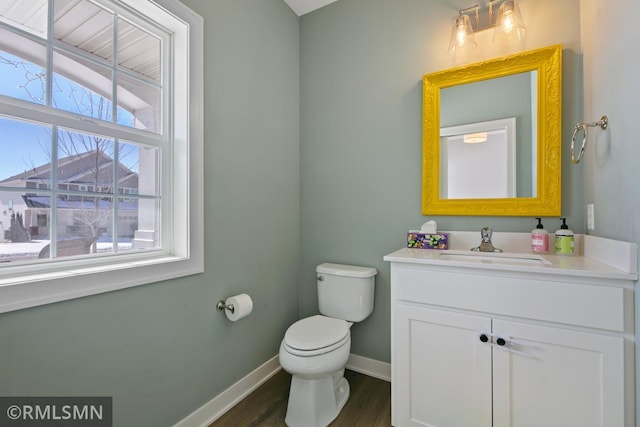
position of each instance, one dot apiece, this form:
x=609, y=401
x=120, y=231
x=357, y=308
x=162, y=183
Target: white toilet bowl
x=315, y=351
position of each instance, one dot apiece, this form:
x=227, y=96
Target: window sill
x=32, y=290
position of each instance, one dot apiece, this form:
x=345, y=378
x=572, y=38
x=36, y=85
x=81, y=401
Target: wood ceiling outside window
x=88, y=27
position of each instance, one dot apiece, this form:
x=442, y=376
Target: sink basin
x=493, y=258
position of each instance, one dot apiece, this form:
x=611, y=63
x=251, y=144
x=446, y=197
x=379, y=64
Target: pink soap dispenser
x=539, y=238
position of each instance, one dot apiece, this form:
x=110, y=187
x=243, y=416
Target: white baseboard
x=370, y=367
x=216, y=407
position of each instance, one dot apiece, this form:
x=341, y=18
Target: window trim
x=75, y=278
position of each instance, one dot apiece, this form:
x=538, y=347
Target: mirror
x=481, y=99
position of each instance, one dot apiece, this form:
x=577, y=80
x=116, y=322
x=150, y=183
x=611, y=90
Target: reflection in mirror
x=526, y=86
x=488, y=100
x=478, y=160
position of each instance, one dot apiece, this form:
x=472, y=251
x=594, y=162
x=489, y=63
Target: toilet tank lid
x=346, y=270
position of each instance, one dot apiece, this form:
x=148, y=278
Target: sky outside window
x=25, y=146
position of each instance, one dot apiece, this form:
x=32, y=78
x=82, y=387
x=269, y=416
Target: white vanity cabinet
x=481, y=345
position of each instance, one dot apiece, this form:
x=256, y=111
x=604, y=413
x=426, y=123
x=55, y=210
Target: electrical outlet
x=591, y=221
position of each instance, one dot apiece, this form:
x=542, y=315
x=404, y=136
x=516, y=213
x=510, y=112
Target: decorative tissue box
x=416, y=239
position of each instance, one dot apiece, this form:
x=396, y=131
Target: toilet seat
x=316, y=335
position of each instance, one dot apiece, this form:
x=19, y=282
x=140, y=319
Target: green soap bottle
x=565, y=240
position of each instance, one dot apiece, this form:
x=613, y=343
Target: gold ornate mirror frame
x=548, y=64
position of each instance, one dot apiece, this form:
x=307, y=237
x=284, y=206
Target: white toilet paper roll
x=242, y=307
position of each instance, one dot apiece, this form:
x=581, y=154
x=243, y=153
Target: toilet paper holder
x=236, y=307
x=222, y=306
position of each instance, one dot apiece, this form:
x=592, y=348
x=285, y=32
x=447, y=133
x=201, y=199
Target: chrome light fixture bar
x=507, y=21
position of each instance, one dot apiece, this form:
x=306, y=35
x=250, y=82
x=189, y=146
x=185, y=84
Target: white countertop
x=596, y=257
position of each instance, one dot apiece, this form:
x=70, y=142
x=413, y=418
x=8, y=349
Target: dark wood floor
x=369, y=404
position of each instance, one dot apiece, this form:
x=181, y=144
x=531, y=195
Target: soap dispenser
x=539, y=238
x=564, y=240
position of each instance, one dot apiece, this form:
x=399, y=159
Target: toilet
x=315, y=349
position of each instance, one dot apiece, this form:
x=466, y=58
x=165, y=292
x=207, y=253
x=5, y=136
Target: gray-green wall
x=611, y=87
x=162, y=350
x=362, y=63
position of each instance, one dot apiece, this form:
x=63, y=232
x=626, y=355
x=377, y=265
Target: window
x=101, y=146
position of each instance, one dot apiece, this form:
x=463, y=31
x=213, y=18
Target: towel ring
x=603, y=123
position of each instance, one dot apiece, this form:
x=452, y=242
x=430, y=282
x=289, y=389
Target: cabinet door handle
x=505, y=344
x=488, y=336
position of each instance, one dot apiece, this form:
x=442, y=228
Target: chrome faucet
x=485, y=244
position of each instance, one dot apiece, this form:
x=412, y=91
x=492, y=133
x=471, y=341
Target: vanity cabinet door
x=557, y=377
x=442, y=371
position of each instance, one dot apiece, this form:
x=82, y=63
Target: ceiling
x=300, y=7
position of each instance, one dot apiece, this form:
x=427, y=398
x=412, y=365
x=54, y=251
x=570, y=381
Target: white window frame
x=68, y=279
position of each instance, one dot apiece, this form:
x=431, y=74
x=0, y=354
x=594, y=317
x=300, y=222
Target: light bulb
x=462, y=34
x=509, y=23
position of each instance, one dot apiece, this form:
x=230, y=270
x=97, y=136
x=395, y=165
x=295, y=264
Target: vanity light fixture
x=507, y=23
x=475, y=138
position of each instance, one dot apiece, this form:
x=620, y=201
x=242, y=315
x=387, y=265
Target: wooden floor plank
x=369, y=404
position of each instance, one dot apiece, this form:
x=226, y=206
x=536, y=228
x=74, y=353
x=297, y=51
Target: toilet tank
x=345, y=291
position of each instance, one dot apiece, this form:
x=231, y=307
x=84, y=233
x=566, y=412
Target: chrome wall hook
x=602, y=123
x=222, y=306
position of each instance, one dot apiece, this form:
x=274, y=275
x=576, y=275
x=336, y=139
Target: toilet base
x=316, y=402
